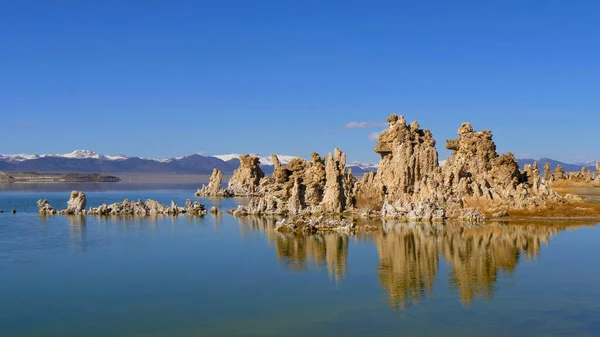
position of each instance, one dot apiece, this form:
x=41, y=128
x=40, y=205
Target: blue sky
x=171, y=78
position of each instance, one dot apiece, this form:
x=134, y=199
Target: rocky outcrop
x=246, y=178
x=559, y=174
x=547, y=172
x=44, y=207
x=76, y=206
x=76, y=203
x=336, y=195
x=303, y=187
x=213, y=189
x=475, y=182
x=309, y=225
x=581, y=178
x=408, y=179
x=409, y=160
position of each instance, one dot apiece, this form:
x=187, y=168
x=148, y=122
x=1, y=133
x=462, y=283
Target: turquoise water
x=220, y=276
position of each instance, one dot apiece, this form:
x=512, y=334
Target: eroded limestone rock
x=409, y=183
x=475, y=179
x=547, y=173
x=303, y=187
x=44, y=207
x=336, y=183
x=580, y=178
x=309, y=225
x=135, y=208
x=213, y=189
x=246, y=178
x=76, y=203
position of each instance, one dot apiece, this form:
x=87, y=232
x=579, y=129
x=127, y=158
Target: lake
x=222, y=276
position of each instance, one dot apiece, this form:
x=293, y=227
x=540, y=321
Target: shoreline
x=35, y=177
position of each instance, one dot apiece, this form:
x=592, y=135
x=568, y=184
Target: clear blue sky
x=171, y=78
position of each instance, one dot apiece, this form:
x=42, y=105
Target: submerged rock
x=310, y=225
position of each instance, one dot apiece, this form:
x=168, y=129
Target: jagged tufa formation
x=303, y=187
x=408, y=178
x=213, y=189
x=246, y=178
x=474, y=180
x=474, y=183
x=583, y=178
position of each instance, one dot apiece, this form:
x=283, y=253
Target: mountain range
x=591, y=166
x=86, y=161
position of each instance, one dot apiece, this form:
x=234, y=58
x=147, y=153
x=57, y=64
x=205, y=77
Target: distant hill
x=553, y=163
x=86, y=161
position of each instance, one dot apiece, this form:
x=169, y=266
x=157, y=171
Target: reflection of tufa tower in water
x=409, y=257
x=297, y=251
x=408, y=263
x=409, y=254
x=478, y=255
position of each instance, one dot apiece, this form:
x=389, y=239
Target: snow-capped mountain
x=264, y=160
x=365, y=166
x=18, y=157
x=77, y=154
x=87, y=161
x=83, y=154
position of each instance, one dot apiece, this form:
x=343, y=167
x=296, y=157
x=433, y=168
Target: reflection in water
x=77, y=224
x=408, y=262
x=77, y=230
x=217, y=220
x=477, y=255
x=409, y=254
x=296, y=251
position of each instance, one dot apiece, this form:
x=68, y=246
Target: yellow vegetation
x=561, y=210
x=570, y=183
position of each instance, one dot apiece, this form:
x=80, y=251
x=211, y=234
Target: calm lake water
x=222, y=276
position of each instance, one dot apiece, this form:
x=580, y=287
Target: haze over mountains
x=86, y=161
